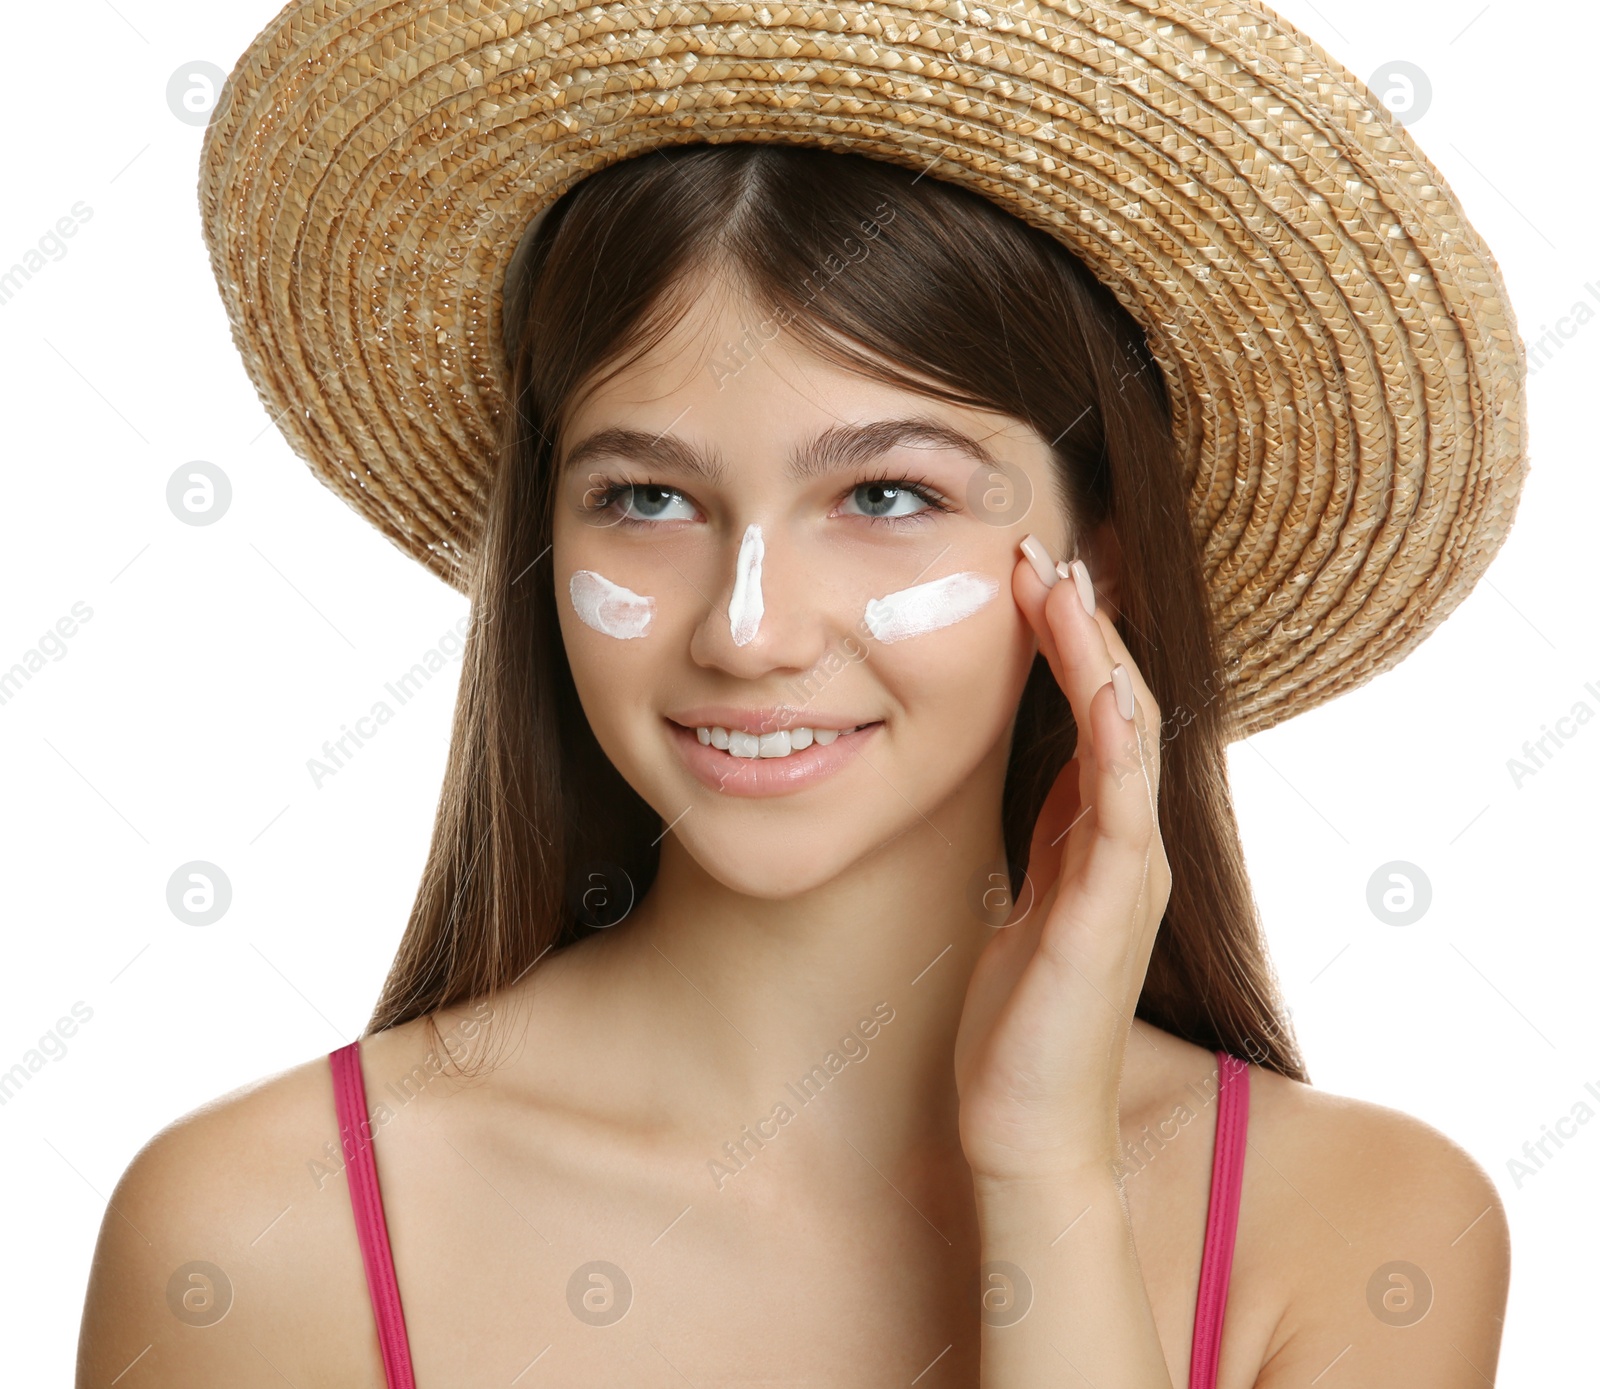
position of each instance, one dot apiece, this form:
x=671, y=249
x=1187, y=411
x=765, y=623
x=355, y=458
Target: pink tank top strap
x=361, y=1175
x=1222, y=1218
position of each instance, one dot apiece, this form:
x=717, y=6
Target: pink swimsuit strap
x=361, y=1176
x=1222, y=1218
x=366, y=1201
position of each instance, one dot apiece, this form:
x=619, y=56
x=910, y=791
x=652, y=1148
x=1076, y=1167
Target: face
x=757, y=553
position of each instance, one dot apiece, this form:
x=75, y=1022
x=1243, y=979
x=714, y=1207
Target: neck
x=713, y=1006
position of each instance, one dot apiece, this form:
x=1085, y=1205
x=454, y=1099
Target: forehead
x=728, y=378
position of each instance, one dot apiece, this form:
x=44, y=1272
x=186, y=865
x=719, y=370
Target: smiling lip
x=768, y=718
x=764, y=776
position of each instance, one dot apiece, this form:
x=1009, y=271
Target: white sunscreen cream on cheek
x=608, y=607
x=745, y=607
x=927, y=607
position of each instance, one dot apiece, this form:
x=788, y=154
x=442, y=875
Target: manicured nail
x=1080, y=576
x=1078, y=572
x=1124, y=688
x=1039, y=558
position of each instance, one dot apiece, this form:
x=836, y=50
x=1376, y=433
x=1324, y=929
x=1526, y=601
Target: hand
x=1050, y=1004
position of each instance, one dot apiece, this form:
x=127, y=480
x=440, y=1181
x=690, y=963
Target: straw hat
x=1347, y=378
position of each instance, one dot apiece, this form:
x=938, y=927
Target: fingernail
x=1124, y=688
x=1078, y=572
x=1039, y=558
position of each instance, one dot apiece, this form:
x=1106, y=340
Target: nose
x=746, y=604
x=762, y=614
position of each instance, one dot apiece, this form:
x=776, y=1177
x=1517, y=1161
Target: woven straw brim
x=1347, y=379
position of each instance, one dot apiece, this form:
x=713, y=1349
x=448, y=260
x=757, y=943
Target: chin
x=770, y=867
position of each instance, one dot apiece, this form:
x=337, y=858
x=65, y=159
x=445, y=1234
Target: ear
x=1102, y=552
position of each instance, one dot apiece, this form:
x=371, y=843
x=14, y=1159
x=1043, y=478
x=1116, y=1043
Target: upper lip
x=767, y=719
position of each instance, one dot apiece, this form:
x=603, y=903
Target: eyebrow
x=838, y=447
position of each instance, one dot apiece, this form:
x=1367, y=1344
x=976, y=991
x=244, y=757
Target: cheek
x=966, y=673
x=611, y=632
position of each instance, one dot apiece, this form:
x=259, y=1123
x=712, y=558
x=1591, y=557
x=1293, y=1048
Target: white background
x=218, y=659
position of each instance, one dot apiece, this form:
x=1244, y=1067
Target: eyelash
x=609, y=491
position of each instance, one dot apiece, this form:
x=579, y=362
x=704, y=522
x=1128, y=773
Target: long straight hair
x=886, y=272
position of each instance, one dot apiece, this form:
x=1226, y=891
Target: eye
x=637, y=504
x=893, y=501
x=896, y=500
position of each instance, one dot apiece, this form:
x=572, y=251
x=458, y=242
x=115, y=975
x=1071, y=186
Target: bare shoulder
x=228, y=1253
x=1388, y=1240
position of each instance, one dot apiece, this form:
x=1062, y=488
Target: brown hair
x=846, y=250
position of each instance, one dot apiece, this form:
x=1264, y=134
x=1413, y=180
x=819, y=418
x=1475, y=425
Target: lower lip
x=766, y=776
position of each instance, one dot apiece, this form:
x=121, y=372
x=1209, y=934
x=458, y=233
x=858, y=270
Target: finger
x=1147, y=709
x=1083, y=658
x=1120, y=778
x=1098, y=868
x=1150, y=706
x=1060, y=811
x=1123, y=875
x=1050, y=845
x=1031, y=589
x=1083, y=649
x=1074, y=642
x=1034, y=597
x=1069, y=638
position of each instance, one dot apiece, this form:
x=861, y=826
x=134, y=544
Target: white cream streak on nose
x=745, y=607
x=608, y=607
x=926, y=607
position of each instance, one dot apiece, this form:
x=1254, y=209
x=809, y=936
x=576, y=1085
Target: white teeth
x=779, y=744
